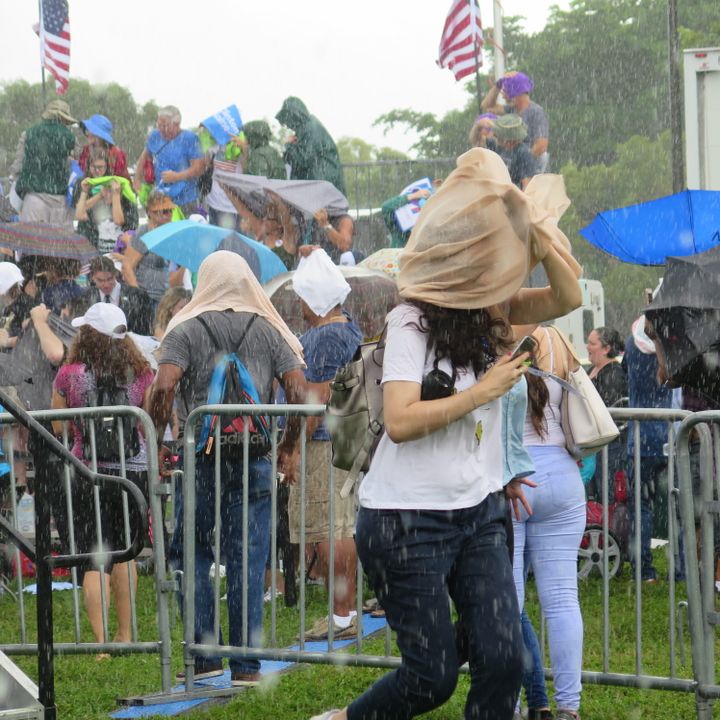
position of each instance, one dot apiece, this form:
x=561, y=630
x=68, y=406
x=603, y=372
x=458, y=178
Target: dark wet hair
x=467, y=338
x=538, y=398
x=610, y=338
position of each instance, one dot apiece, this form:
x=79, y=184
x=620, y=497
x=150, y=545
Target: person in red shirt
x=98, y=131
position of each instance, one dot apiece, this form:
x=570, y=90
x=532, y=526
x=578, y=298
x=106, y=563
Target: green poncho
x=314, y=156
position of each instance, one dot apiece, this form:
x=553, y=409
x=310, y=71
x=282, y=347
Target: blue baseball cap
x=100, y=126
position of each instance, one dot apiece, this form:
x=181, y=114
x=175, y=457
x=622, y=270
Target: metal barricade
x=703, y=616
x=611, y=672
x=160, y=644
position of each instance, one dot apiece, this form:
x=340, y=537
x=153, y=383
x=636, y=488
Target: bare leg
x=93, y=601
x=121, y=594
x=345, y=572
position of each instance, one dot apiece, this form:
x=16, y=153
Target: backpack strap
x=216, y=344
x=213, y=337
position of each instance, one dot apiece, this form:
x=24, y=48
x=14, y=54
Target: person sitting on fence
x=431, y=524
x=329, y=344
x=98, y=131
x=104, y=211
x=229, y=312
x=102, y=357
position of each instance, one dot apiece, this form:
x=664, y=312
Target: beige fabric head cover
x=476, y=238
x=226, y=282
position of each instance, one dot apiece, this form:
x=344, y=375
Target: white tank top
x=555, y=435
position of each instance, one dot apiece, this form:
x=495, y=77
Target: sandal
x=377, y=613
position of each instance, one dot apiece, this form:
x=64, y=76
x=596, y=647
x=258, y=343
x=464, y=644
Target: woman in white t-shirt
x=431, y=528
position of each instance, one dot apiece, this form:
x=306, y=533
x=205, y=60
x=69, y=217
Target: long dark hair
x=538, y=398
x=108, y=359
x=467, y=338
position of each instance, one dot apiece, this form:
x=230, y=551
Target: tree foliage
x=641, y=172
x=21, y=105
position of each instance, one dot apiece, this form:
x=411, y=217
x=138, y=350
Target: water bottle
x=26, y=514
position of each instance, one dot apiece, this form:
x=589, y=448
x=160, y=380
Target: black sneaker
x=204, y=671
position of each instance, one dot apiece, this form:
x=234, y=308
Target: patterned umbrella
x=371, y=298
x=386, y=260
x=46, y=240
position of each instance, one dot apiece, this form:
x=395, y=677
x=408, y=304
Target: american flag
x=462, y=39
x=54, y=31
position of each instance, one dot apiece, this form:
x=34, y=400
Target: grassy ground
x=88, y=689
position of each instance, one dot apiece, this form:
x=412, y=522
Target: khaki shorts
x=317, y=500
x=44, y=208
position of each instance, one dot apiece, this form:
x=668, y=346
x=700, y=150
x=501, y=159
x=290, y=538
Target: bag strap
x=568, y=346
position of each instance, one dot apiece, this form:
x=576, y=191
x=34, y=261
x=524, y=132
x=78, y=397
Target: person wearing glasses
x=103, y=212
x=142, y=268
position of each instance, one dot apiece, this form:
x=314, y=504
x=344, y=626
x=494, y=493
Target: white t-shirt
x=455, y=467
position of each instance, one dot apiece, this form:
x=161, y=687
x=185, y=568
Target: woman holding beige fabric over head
x=431, y=524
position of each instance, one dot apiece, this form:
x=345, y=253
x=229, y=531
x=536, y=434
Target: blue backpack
x=232, y=384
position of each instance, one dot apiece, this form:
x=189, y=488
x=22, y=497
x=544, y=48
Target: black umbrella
x=686, y=317
x=46, y=240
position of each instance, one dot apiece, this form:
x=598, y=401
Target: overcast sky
x=349, y=61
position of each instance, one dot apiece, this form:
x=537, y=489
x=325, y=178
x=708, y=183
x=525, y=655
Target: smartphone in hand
x=527, y=344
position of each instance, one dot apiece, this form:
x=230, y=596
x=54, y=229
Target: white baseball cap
x=10, y=274
x=106, y=318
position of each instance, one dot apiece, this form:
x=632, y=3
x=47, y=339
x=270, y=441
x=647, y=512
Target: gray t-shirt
x=152, y=271
x=264, y=352
x=537, y=123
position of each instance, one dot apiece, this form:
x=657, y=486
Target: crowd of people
x=454, y=479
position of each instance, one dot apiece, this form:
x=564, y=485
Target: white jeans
x=551, y=536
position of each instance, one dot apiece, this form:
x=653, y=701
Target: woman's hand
x=514, y=493
x=500, y=378
x=85, y=186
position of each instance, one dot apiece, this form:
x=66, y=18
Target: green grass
x=88, y=689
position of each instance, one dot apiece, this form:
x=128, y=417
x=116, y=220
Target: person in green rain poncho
x=311, y=152
x=263, y=159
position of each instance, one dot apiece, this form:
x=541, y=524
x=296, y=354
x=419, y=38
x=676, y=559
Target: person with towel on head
x=431, y=527
x=229, y=312
x=328, y=344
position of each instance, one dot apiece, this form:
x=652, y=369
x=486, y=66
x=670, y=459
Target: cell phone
x=527, y=344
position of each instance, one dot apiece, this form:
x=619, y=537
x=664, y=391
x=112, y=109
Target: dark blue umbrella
x=682, y=224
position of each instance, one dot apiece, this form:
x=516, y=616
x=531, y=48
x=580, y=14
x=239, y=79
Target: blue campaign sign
x=223, y=125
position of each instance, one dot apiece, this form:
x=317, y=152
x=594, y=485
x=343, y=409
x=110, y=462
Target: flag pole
x=478, y=57
x=42, y=64
x=498, y=38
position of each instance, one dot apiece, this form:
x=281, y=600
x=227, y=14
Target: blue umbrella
x=682, y=224
x=188, y=243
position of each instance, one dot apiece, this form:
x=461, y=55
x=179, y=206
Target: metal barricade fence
x=703, y=503
x=156, y=490
x=612, y=671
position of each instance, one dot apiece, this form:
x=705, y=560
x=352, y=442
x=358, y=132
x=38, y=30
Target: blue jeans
x=419, y=560
x=533, y=679
x=650, y=469
x=551, y=536
x=231, y=515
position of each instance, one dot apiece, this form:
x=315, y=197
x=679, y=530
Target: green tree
x=640, y=172
x=21, y=106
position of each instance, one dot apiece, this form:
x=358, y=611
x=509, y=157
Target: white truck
x=702, y=110
x=578, y=324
